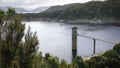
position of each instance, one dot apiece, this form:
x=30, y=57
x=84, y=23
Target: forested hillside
x=89, y=10
x=60, y=7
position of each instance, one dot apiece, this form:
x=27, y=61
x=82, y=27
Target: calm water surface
x=55, y=38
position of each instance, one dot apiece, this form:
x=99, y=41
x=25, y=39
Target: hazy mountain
x=39, y=9
x=18, y=10
x=22, y=10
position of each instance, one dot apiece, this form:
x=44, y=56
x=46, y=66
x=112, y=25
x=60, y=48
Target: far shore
x=112, y=22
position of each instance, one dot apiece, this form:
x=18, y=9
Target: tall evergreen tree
x=15, y=52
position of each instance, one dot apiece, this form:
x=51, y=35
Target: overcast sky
x=31, y=4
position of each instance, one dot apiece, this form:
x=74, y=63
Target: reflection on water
x=55, y=38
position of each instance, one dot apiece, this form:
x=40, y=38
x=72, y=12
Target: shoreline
x=105, y=22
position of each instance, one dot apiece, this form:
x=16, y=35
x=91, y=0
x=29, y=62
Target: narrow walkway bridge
x=74, y=42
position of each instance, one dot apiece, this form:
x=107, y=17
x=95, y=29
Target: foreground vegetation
x=20, y=50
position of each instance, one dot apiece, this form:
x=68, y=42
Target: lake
x=55, y=38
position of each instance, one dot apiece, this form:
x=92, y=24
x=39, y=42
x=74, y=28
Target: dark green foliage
x=47, y=55
x=15, y=52
x=110, y=54
x=96, y=62
x=39, y=61
x=63, y=64
x=1, y=17
x=51, y=14
x=111, y=8
x=29, y=50
x=10, y=14
x=117, y=48
x=112, y=59
x=86, y=10
x=79, y=61
x=13, y=32
x=53, y=62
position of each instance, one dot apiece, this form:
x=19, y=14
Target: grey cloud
x=36, y=3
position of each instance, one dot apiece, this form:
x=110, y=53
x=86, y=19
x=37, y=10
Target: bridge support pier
x=94, y=46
